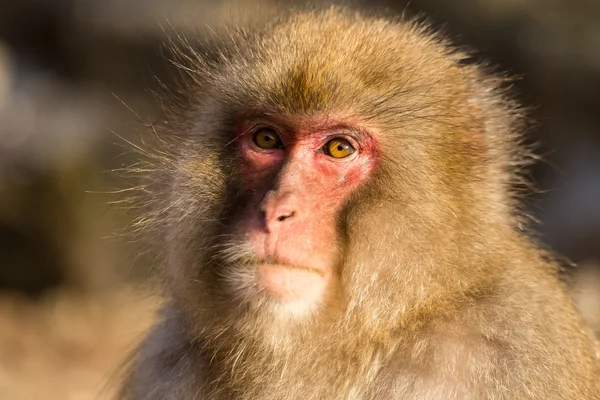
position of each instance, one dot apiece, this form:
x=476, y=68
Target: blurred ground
x=69, y=345
x=68, y=313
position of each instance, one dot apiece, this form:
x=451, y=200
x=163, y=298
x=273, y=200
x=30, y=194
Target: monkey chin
x=286, y=291
x=288, y=284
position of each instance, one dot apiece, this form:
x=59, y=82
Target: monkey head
x=305, y=180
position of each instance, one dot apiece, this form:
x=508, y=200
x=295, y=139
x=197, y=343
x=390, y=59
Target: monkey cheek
x=292, y=285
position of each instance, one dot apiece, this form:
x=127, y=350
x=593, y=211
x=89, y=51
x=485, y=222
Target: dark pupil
x=268, y=138
x=340, y=147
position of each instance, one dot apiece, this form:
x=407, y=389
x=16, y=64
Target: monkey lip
x=291, y=283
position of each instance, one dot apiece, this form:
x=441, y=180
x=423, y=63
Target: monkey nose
x=279, y=208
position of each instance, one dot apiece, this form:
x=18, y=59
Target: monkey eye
x=338, y=148
x=267, y=139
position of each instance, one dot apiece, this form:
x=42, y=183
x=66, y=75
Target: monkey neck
x=305, y=365
x=250, y=359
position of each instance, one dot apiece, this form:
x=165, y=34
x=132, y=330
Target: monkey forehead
x=339, y=62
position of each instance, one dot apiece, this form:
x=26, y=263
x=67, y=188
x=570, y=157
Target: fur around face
x=440, y=295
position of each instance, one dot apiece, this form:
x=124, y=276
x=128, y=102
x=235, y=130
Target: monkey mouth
x=289, y=283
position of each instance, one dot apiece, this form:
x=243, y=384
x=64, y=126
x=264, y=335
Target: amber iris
x=266, y=139
x=338, y=148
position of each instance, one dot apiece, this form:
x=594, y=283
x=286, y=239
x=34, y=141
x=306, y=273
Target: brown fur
x=442, y=294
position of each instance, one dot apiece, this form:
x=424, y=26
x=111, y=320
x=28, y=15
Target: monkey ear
x=497, y=121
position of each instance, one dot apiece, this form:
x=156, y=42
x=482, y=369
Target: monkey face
x=297, y=175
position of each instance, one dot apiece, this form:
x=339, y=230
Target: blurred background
x=72, y=293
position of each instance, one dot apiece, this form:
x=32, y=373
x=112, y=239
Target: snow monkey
x=333, y=198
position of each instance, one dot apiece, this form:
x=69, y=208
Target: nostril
x=285, y=216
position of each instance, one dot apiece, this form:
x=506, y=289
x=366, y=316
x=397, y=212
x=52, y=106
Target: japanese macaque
x=333, y=197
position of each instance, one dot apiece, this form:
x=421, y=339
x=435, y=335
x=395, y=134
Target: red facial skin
x=297, y=192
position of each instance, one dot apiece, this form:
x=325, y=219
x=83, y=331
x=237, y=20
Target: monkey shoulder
x=166, y=365
x=499, y=352
x=524, y=330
